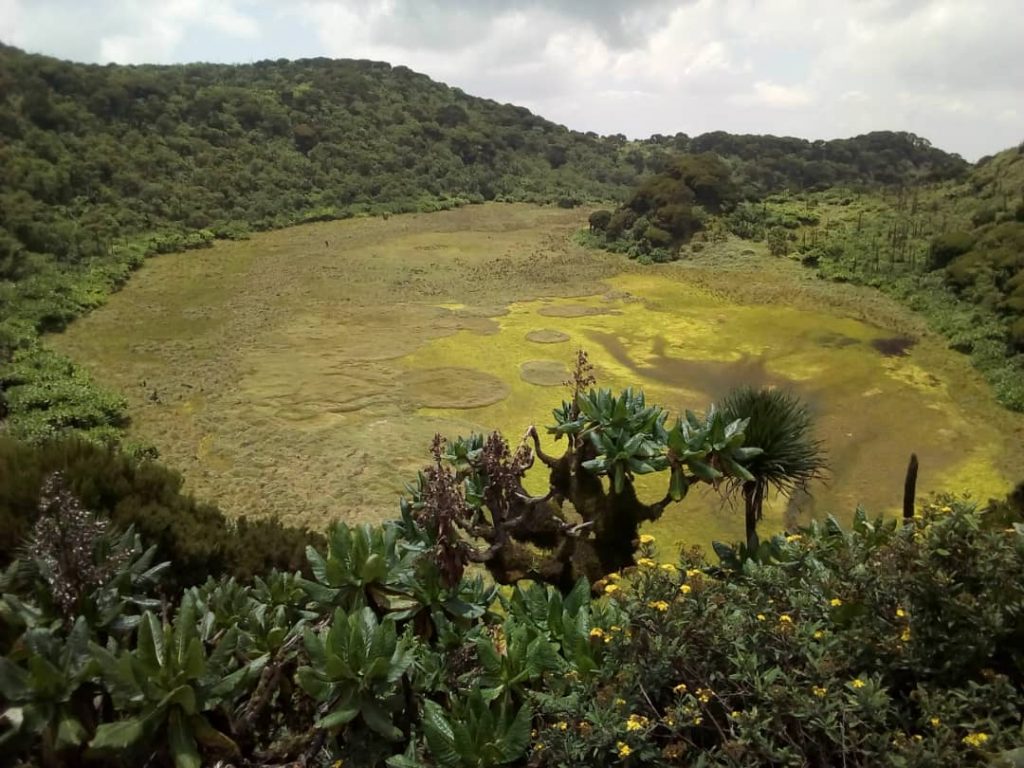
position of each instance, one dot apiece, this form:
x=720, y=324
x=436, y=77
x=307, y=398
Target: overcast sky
x=949, y=70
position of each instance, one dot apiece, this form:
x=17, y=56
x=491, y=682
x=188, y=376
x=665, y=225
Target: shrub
x=947, y=247
x=197, y=537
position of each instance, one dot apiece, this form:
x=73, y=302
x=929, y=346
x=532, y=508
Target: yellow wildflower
x=692, y=572
x=946, y=509
x=818, y=634
x=613, y=576
x=636, y=723
x=620, y=702
x=668, y=567
x=704, y=695
x=976, y=740
x=680, y=689
x=562, y=725
x=698, y=720
x=735, y=714
x=857, y=683
x=793, y=537
x=785, y=619
x=611, y=589
x=337, y=764
x=918, y=737
x=685, y=589
x=835, y=602
x=597, y=632
x=615, y=628
x=900, y=613
x=646, y=538
x=819, y=691
x=658, y=605
x=760, y=617
x=905, y=635
x=936, y=722
x=670, y=721
x=646, y=562
x=624, y=750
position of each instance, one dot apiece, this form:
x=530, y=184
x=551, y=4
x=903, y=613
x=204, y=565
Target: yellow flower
x=680, y=689
x=936, y=722
x=667, y=567
x=947, y=510
x=337, y=764
x=620, y=702
x=658, y=605
x=976, y=740
x=636, y=723
x=562, y=725
x=613, y=576
x=646, y=538
x=704, y=695
x=900, y=613
x=793, y=537
x=818, y=634
x=698, y=720
x=670, y=721
x=646, y=562
x=819, y=691
x=857, y=683
x=597, y=632
x=760, y=617
x=905, y=635
x=735, y=714
x=785, y=619
x=611, y=589
x=615, y=628
x=624, y=750
x=685, y=589
x=835, y=602
x=692, y=572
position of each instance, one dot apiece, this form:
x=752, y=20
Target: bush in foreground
x=888, y=644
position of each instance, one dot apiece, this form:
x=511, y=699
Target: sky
x=949, y=70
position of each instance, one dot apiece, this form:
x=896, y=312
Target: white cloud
x=768, y=94
x=949, y=70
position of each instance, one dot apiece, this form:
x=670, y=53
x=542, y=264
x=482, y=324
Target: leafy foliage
x=139, y=493
x=888, y=644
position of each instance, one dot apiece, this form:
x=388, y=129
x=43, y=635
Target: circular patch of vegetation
x=454, y=388
x=572, y=310
x=544, y=373
x=547, y=336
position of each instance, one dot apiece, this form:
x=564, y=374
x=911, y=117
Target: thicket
x=667, y=208
x=894, y=643
x=133, y=492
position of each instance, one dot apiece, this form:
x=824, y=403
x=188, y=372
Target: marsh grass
x=303, y=372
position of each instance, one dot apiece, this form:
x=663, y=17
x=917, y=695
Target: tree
x=780, y=425
x=472, y=503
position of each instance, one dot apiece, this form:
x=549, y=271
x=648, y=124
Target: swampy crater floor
x=303, y=372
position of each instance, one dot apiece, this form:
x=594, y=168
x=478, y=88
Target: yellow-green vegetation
x=303, y=372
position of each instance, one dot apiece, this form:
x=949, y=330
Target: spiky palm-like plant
x=782, y=427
